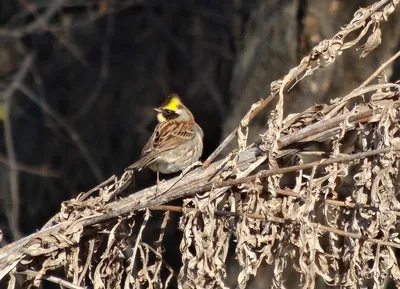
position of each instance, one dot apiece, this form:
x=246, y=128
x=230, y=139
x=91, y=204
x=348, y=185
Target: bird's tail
x=135, y=165
x=143, y=162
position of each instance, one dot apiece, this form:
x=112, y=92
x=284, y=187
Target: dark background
x=103, y=65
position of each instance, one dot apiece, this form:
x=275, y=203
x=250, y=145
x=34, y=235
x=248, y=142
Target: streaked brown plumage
x=177, y=140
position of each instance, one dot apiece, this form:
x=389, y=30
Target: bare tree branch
x=95, y=169
x=13, y=216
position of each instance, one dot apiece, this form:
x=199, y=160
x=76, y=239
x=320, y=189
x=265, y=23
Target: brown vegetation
x=313, y=198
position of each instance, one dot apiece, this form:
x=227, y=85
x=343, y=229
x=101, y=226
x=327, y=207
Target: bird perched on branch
x=176, y=143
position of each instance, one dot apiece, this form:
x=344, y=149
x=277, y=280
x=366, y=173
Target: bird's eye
x=167, y=112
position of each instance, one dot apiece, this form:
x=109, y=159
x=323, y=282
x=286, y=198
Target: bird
x=176, y=143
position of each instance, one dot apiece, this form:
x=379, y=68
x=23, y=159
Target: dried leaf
x=373, y=41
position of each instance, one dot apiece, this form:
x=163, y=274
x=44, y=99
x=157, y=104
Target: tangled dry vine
x=334, y=217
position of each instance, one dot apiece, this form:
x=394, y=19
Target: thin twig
x=105, y=51
x=318, y=129
x=380, y=69
x=290, y=193
x=337, y=203
x=160, y=257
x=266, y=173
x=200, y=74
x=88, y=260
x=86, y=195
x=139, y=237
x=37, y=24
x=219, y=149
x=284, y=221
x=8, y=135
x=43, y=23
x=94, y=167
x=232, y=135
x=52, y=279
x=39, y=171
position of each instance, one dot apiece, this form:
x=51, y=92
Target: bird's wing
x=166, y=136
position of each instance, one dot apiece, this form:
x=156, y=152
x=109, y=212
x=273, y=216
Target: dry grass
x=334, y=217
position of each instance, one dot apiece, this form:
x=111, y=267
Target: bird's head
x=173, y=109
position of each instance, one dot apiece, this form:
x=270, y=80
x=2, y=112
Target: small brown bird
x=177, y=140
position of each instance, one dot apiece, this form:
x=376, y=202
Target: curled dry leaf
x=373, y=41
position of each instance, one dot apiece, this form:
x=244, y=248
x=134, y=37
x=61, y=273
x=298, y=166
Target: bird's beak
x=158, y=109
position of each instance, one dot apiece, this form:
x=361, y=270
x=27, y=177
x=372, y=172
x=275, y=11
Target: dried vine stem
x=146, y=198
x=51, y=279
x=332, y=48
x=283, y=221
x=186, y=187
x=380, y=70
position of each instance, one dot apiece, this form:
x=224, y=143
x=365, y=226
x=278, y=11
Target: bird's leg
x=184, y=172
x=158, y=181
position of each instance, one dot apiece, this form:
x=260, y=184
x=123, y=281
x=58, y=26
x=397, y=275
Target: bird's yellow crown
x=172, y=103
x=171, y=108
